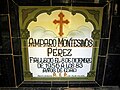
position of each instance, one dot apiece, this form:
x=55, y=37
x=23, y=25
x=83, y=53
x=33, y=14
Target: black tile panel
x=4, y=26
x=85, y=1
x=16, y=46
x=83, y=84
x=18, y=69
x=54, y=88
x=33, y=2
x=4, y=7
x=103, y=47
x=62, y=88
x=100, y=70
x=5, y=42
x=36, y=84
x=106, y=21
x=0, y=42
x=61, y=2
x=114, y=47
x=112, y=73
x=14, y=19
x=91, y=3
x=7, y=78
x=60, y=83
x=102, y=1
x=5, y=46
x=74, y=3
x=74, y=84
x=118, y=8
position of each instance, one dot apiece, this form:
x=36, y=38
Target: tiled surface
x=76, y=2
x=32, y=2
x=4, y=26
x=106, y=22
x=83, y=84
x=4, y=7
x=5, y=43
x=61, y=88
x=10, y=51
x=100, y=70
x=14, y=19
x=6, y=60
x=112, y=73
x=7, y=72
x=5, y=46
x=103, y=47
x=115, y=36
x=37, y=84
x=59, y=84
x=16, y=42
x=18, y=69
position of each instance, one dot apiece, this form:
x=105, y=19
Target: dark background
x=10, y=45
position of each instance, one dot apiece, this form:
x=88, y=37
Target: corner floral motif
x=96, y=34
x=25, y=13
x=91, y=74
x=25, y=34
x=95, y=13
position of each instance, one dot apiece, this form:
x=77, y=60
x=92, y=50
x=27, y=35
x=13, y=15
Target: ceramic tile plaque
x=60, y=43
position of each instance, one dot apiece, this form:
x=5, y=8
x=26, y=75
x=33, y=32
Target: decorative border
x=29, y=13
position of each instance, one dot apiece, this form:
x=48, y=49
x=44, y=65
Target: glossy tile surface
x=11, y=74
